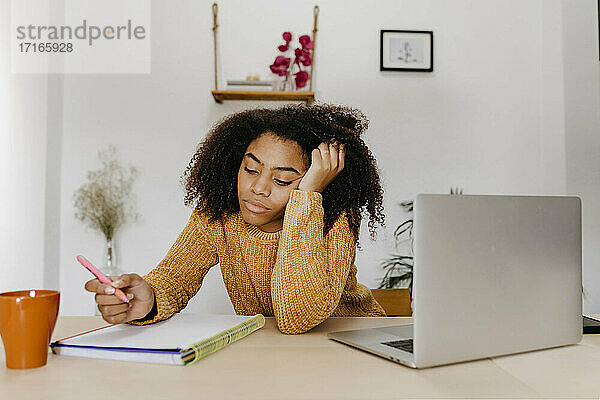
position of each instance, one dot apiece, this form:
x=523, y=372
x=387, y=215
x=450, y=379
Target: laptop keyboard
x=406, y=345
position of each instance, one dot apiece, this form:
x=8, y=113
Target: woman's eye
x=277, y=181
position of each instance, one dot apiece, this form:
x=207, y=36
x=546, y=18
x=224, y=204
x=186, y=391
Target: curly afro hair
x=210, y=179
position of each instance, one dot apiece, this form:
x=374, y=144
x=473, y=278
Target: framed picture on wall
x=406, y=51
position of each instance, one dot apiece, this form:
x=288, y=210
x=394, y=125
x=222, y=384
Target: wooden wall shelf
x=221, y=95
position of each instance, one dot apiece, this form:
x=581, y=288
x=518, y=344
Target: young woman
x=278, y=196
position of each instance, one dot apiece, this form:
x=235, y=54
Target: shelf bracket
x=314, y=39
x=215, y=8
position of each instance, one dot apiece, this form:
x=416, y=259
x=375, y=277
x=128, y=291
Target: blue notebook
x=181, y=340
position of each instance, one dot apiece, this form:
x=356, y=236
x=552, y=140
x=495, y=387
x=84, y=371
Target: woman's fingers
x=316, y=157
x=104, y=299
x=95, y=286
x=116, y=319
x=327, y=160
x=127, y=280
x=325, y=157
x=112, y=310
x=334, y=155
x=92, y=285
x=341, y=157
x=329, y=156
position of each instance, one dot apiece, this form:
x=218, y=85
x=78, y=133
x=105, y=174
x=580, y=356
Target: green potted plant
x=399, y=268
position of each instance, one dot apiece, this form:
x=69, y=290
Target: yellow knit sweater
x=296, y=274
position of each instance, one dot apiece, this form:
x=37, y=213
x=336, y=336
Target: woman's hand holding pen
x=327, y=163
x=115, y=310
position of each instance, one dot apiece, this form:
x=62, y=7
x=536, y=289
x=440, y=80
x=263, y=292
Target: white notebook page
x=179, y=331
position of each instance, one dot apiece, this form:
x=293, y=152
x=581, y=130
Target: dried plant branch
x=106, y=202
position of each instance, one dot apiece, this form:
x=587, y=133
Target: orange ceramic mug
x=27, y=319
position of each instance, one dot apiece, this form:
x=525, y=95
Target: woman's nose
x=260, y=186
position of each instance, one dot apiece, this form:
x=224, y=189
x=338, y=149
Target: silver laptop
x=493, y=275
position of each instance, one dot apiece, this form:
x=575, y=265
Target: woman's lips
x=255, y=208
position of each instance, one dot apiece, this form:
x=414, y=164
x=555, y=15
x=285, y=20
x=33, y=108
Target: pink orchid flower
x=303, y=56
x=301, y=78
x=280, y=65
x=306, y=43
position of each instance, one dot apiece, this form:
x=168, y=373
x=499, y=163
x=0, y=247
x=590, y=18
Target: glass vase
x=288, y=83
x=109, y=267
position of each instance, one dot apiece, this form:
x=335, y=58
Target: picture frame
x=405, y=50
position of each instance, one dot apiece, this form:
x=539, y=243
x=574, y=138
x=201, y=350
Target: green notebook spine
x=216, y=342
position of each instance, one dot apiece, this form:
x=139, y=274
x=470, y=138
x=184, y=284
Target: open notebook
x=181, y=340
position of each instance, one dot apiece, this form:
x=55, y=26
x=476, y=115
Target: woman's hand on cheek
x=327, y=163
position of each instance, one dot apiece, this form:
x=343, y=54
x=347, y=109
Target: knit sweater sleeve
x=178, y=277
x=311, y=270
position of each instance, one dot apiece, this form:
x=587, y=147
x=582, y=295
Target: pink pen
x=101, y=277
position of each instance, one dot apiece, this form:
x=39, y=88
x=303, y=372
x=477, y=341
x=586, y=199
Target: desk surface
x=270, y=365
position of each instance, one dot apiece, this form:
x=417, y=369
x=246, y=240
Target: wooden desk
x=270, y=365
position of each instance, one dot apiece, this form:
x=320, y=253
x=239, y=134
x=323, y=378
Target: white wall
x=23, y=113
x=497, y=115
x=582, y=128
